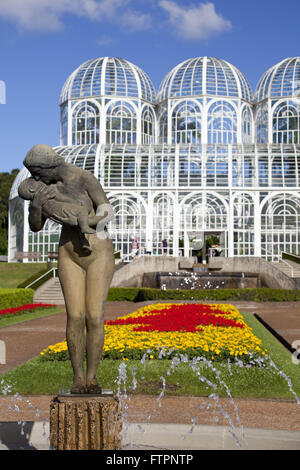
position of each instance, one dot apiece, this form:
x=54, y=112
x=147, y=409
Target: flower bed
x=23, y=309
x=217, y=332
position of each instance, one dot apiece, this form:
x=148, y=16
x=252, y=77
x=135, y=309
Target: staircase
x=50, y=293
x=290, y=268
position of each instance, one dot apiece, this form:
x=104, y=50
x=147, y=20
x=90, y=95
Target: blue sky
x=43, y=41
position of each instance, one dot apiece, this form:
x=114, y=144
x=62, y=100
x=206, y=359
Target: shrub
x=15, y=297
x=123, y=293
x=135, y=294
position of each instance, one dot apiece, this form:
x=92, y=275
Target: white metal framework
x=201, y=158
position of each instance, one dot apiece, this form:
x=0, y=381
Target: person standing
x=165, y=244
x=135, y=247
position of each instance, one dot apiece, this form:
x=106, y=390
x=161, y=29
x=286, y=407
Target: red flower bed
x=23, y=308
x=185, y=317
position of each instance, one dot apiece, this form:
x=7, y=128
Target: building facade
x=203, y=156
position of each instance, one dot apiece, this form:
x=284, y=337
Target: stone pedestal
x=85, y=422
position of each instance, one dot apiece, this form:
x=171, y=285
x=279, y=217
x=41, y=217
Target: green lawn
x=40, y=377
x=7, y=320
x=12, y=274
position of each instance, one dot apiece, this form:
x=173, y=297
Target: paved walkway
x=26, y=340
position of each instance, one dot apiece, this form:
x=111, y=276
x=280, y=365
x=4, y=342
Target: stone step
x=50, y=292
x=289, y=268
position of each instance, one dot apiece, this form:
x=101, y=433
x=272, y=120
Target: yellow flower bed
x=208, y=340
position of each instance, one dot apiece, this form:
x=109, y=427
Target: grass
x=40, y=377
x=7, y=320
x=12, y=274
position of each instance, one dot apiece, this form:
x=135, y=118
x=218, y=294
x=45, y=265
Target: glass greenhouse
x=202, y=157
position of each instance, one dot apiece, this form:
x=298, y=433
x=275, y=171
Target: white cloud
x=44, y=14
x=47, y=14
x=195, y=22
x=135, y=20
x=110, y=9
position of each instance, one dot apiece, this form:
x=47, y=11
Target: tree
x=6, y=181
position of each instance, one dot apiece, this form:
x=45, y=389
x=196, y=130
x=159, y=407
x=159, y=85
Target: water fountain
x=197, y=365
x=127, y=383
x=201, y=278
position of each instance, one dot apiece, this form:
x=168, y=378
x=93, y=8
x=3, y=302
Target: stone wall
x=132, y=274
x=269, y=274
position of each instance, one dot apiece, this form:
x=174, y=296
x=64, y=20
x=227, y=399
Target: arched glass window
x=261, y=125
x=64, y=125
x=86, y=124
x=129, y=222
x=148, y=126
x=120, y=123
x=286, y=123
x=280, y=226
x=246, y=125
x=163, y=224
x=222, y=123
x=186, y=123
x=204, y=212
x=17, y=226
x=243, y=221
x=163, y=125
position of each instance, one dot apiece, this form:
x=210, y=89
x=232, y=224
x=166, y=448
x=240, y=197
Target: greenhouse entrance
x=203, y=245
x=215, y=245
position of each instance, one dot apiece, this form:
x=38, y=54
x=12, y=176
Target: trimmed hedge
x=10, y=298
x=16, y=297
x=135, y=294
x=123, y=293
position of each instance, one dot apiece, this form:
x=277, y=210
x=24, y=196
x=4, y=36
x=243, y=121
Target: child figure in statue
x=61, y=208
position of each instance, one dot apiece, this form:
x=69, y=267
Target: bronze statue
x=75, y=198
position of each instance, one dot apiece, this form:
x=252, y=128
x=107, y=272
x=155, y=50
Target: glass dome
x=83, y=156
x=281, y=80
x=21, y=176
x=205, y=76
x=108, y=76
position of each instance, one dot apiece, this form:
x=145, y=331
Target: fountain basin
x=202, y=279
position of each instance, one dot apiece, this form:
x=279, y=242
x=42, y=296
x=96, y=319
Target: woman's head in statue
x=43, y=163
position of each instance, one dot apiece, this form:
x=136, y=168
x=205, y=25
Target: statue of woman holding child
x=75, y=198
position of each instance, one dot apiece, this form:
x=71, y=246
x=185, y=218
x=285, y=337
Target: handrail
x=280, y=259
x=290, y=256
x=41, y=277
x=291, y=267
x=285, y=262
